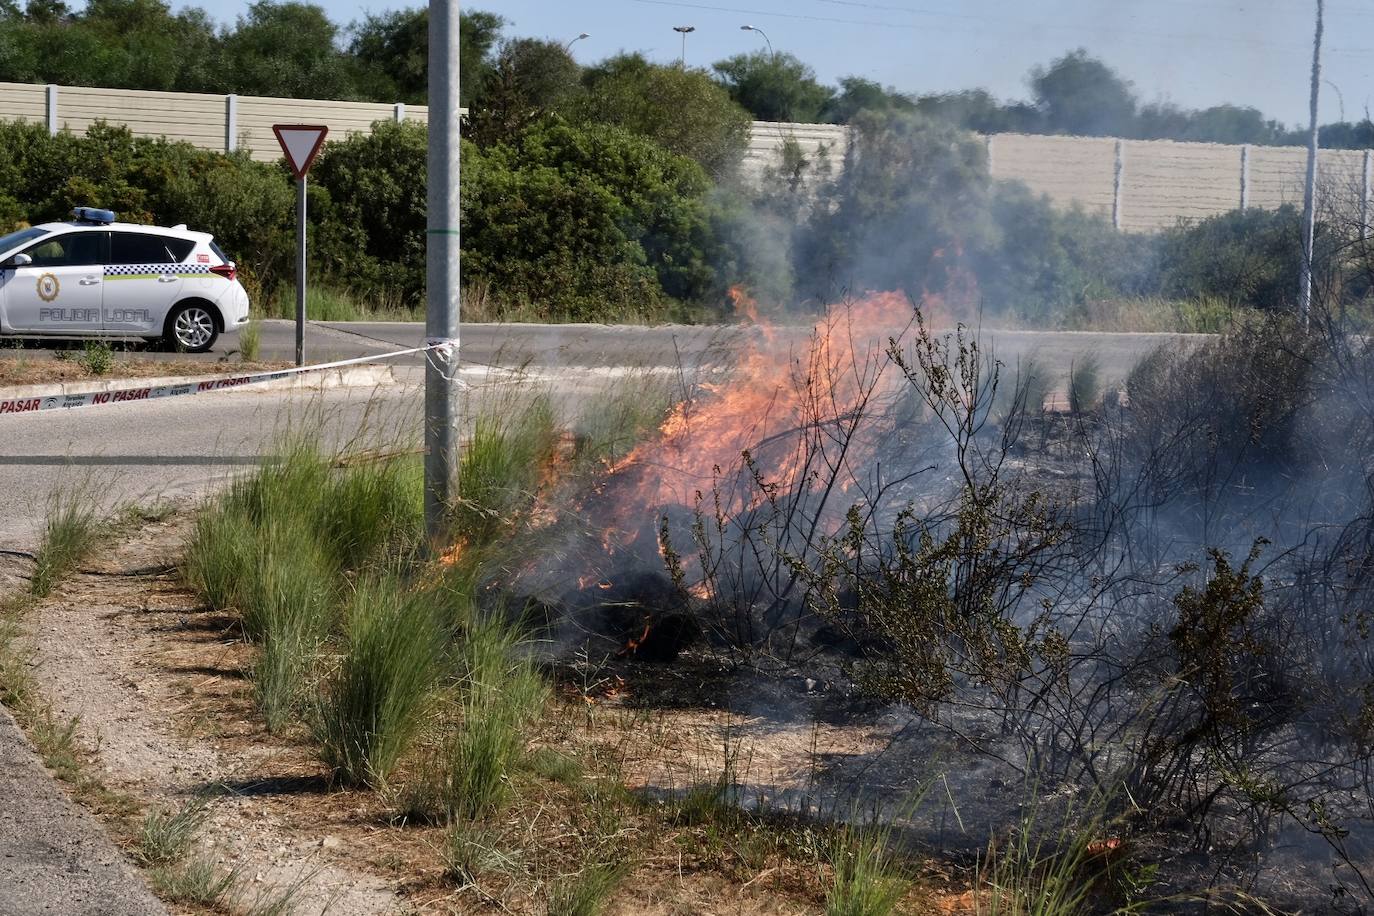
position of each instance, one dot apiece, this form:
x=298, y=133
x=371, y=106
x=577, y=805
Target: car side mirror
x=19, y=260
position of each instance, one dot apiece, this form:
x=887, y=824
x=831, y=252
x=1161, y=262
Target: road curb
x=365, y=376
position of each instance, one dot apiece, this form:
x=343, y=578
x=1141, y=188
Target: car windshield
x=15, y=239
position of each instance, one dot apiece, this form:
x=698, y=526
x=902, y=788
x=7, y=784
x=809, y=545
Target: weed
x=73, y=529
x=469, y=851
x=865, y=879
x=1085, y=384
x=288, y=607
x=55, y=740
x=501, y=467
x=325, y=303
x=97, y=358
x=554, y=765
x=165, y=836
x=372, y=707
x=273, y=901
x=373, y=513
x=197, y=882
x=250, y=342
x=1036, y=872
x=587, y=892
x=500, y=694
x=221, y=557
x=16, y=679
x=614, y=422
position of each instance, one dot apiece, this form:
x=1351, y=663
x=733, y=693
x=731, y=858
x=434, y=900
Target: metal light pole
x=754, y=28
x=683, y=30
x=442, y=410
x=568, y=47
x=1309, y=198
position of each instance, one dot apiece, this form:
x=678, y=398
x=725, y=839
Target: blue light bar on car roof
x=92, y=215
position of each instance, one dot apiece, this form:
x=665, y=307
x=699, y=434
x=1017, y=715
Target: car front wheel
x=191, y=328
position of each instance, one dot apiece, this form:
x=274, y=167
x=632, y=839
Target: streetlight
x=568, y=47
x=683, y=30
x=754, y=28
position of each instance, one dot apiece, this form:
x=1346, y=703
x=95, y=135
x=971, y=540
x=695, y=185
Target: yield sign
x=301, y=143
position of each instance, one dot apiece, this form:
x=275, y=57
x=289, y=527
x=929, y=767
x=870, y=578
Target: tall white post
x=1118, y=181
x=1245, y=177
x=53, y=126
x=1365, y=199
x=231, y=123
x=1309, y=197
x=442, y=410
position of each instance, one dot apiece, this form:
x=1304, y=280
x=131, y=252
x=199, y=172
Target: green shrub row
x=592, y=222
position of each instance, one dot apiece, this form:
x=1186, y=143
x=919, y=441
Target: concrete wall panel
x=23, y=102
x=1068, y=170
x=1164, y=182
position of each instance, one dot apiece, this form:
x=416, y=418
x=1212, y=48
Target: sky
x=1194, y=53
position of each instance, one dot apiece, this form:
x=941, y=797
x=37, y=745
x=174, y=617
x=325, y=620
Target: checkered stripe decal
x=147, y=270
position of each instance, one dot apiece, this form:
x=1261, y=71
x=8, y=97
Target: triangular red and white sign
x=301, y=143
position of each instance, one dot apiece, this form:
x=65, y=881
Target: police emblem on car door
x=59, y=289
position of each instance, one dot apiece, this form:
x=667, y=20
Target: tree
x=530, y=78
x=1347, y=135
x=774, y=87
x=288, y=49
x=858, y=94
x=47, y=12
x=393, y=50
x=1081, y=95
x=976, y=109
x=684, y=111
x=912, y=198
x=1218, y=124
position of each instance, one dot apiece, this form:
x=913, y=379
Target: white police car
x=94, y=277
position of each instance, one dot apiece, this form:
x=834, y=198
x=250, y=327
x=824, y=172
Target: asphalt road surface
x=53, y=859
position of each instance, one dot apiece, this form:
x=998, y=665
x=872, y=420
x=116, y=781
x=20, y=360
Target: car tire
x=191, y=328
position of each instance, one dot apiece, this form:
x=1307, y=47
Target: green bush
x=1244, y=257
x=372, y=229
x=584, y=220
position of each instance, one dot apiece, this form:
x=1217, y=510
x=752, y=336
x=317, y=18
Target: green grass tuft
x=73, y=529
x=197, y=882
x=865, y=879
x=165, y=836
x=374, y=701
x=250, y=342
x=587, y=892
x=501, y=468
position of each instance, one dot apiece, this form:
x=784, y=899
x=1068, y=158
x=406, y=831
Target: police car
x=94, y=277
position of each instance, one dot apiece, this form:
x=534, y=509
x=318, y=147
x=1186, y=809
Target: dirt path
x=150, y=675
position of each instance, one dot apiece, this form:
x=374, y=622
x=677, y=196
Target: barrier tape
x=36, y=403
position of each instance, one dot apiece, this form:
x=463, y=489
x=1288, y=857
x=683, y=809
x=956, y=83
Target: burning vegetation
x=1118, y=652
x=1155, y=601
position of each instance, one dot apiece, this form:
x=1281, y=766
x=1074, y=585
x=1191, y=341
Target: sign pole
x=442, y=409
x=300, y=270
x=300, y=143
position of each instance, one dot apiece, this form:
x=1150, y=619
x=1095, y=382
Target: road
x=182, y=448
